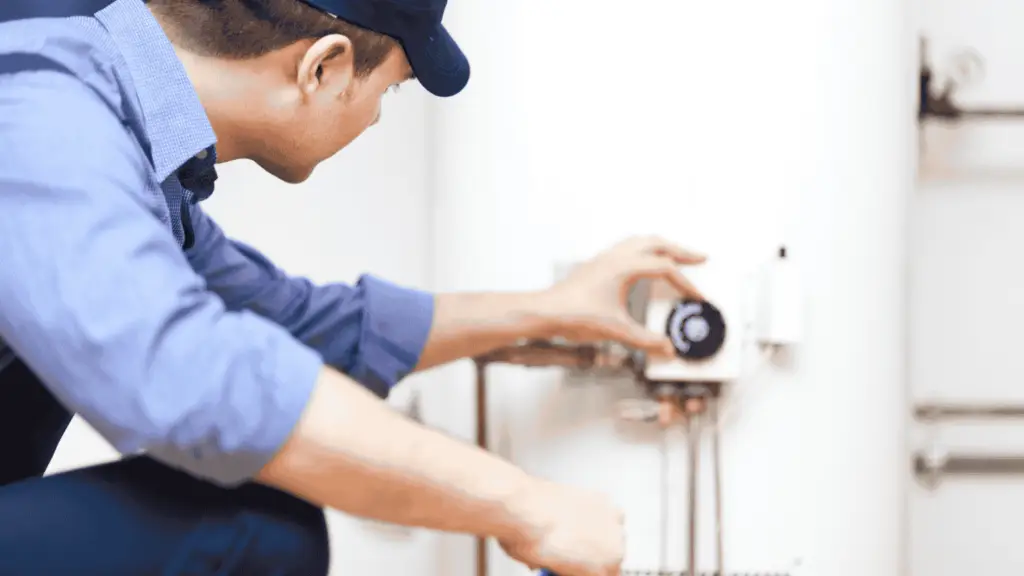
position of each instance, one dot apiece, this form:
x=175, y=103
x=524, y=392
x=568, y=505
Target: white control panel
x=708, y=335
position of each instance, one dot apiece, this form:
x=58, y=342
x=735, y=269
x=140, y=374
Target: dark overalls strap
x=11, y=10
x=27, y=9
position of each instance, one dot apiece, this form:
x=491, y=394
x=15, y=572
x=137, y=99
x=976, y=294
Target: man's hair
x=242, y=29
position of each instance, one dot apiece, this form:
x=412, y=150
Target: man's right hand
x=401, y=472
x=572, y=532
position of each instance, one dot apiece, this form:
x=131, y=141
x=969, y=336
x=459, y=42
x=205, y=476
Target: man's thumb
x=639, y=337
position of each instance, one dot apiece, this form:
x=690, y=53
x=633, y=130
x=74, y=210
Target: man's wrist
x=468, y=325
x=537, y=315
x=523, y=513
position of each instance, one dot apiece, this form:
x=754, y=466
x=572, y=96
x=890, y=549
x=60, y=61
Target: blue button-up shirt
x=123, y=296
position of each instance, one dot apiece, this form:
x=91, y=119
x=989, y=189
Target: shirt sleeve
x=373, y=331
x=101, y=303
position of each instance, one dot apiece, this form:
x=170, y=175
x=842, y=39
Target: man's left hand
x=590, y=304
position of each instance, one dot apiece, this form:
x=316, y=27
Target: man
x=253, y=395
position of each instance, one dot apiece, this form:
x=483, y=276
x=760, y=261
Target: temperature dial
x=697, y=329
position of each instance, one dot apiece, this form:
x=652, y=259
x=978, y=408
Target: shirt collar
x=175, y=120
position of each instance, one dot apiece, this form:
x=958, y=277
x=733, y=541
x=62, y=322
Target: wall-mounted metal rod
x=990, y=113
x=537, y=354
x=936, y=412
x=928, y=465
x=943, y=109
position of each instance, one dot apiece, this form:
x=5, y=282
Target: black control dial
x=696, y=328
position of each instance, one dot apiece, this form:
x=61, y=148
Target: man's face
x=331, y=107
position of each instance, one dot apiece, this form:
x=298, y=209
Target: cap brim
x=438, y=63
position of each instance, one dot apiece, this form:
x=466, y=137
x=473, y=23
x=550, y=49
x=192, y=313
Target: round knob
x=697, y=329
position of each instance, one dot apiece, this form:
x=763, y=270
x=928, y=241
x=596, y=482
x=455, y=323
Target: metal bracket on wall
x=932, y=465
x=933, y=412
x=939, y=102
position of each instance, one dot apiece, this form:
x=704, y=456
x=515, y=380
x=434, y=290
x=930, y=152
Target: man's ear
x=327, y=64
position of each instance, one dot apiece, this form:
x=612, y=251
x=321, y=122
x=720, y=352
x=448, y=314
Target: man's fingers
x=627, y=331
x=662, y=247
x=667, y=269
x=680, y=255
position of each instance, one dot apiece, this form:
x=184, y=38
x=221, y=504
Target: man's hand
x=398, y=471
x=590, y=304
x=573, y=532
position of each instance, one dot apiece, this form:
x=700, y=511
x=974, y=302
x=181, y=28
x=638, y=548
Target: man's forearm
x=468, y=325
x=353, y=453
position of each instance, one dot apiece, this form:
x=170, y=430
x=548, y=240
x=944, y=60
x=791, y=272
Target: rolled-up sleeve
x=99, y=300
x=374, y=331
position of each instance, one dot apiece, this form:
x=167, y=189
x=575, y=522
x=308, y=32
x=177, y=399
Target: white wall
x=966, y=310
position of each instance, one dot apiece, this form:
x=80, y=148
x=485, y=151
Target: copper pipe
x=693, y=408
x=716, y=453
x=539, y=354
x=663, y=543
x=693, y=425
x=481, y=441
x=668, y=411
x=535, y=354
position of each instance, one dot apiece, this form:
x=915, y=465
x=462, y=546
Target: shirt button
x=202, y=155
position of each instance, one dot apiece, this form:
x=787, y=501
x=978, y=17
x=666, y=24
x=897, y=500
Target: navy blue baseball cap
x=436, y=59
